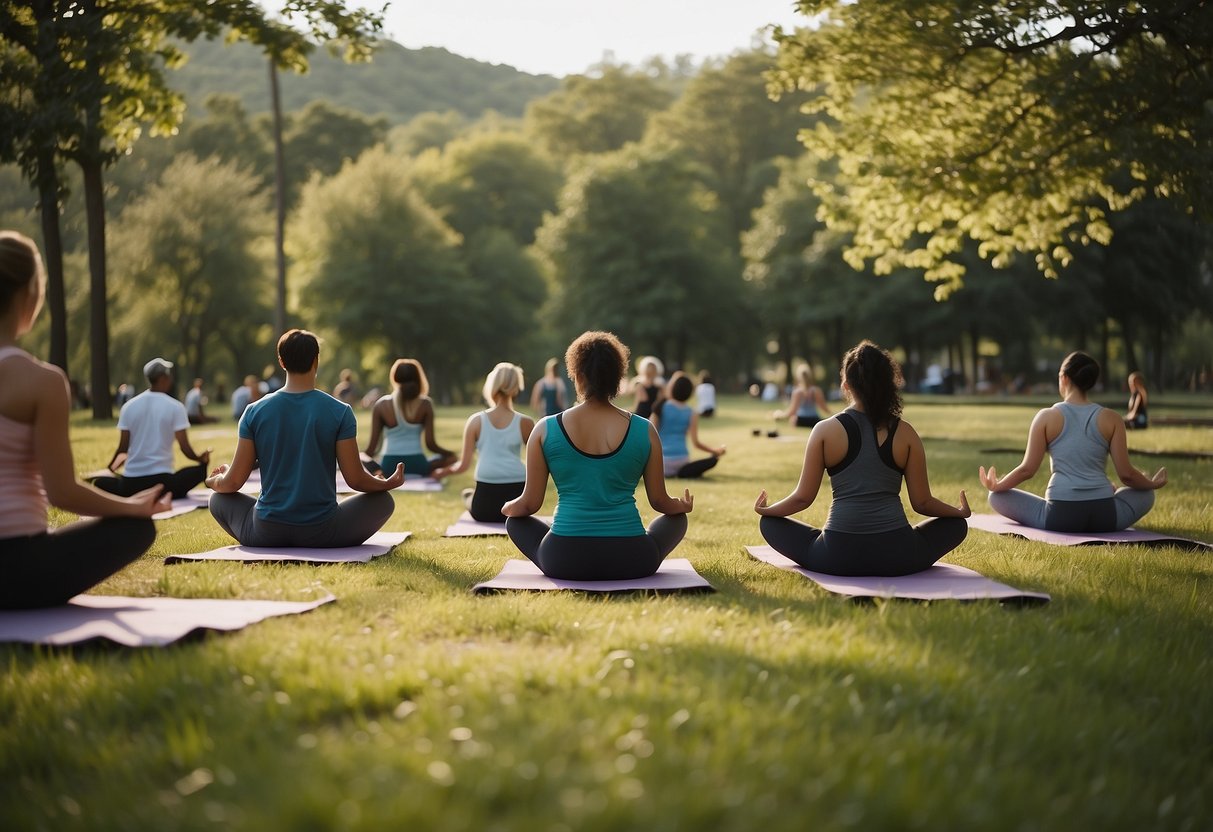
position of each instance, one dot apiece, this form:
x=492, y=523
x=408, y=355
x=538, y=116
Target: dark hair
x=681, y=387
x=409, y=378
x=874, y=378
x=19, y=264
x=597, y=362
x=1081, y=369
x=298, y=350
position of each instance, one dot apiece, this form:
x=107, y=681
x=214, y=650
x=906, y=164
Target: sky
x=563, y=37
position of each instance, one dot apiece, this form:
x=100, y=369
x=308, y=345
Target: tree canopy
x=1018, y=125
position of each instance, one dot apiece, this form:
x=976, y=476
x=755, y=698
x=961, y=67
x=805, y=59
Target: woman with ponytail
x=400, y=419
x=867, y=450
x=1079, y=436
x=44, y=567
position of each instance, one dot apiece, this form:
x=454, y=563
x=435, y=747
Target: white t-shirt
x=705, y=397
x=153, y=420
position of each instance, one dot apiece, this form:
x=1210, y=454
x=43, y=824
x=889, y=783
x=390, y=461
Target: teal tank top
x=404, y=439
x=497, y=452
x=596, y=493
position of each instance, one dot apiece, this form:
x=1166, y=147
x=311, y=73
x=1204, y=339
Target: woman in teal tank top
x=596, y=453
x=400, y=421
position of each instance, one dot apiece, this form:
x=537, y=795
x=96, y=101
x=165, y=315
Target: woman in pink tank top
x=45, y=567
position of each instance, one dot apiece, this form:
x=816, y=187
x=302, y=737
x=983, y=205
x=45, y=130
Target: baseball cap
x=157, y=367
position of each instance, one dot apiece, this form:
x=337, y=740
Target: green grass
x=771, y=705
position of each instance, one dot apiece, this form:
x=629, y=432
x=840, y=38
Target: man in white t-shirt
x=148, y=424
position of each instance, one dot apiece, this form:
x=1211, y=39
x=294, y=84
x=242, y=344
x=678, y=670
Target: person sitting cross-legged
x=300, y=435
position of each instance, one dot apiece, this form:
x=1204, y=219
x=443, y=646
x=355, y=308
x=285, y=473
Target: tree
x=596, y=115
x=425, y=131
x=322, y=137
x=1013, y=124
x=98, y=66
x=194, y=264
x=640, y=246
x=378, y=264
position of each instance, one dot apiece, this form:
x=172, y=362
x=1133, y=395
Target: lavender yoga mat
x=139, y=622
x=465, y=526
x=190, y=502
x=942, y=582
x=998, y=524
x=378, y=544
x=675, y=575
x=253, y=484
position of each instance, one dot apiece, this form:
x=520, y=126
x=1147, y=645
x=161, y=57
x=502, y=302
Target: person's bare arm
x=525, y=425
x=471, y=432
x=1118, y=449
x=693, y=432
x=372, y=444
x=819, y=400
x=428, y=422
x=119, y=457
x=654, y=482
x=918, y=484
x=809, y=484
x=356, y=476
x=183, y=442
x=1033, y=454
x=535, y=488
x=53, y=450
x=228, y=478
x=794, y=405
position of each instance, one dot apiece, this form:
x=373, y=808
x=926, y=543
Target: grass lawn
x=770, y=705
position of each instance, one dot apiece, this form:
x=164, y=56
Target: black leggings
x=489, y=497
x=695, y=470
x=597, y=558
x=886, y=554
x=178, y=482
x=45, y=570
x=355, y=520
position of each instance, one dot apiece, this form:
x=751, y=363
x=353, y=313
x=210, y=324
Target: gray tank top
x=1079, y=456
x=867, y=483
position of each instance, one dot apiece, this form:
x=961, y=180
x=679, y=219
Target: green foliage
x=397, y=84
x=195, y=270
x=375, y=266
x=321, y=137
x=640, y=247
x=1011, y=124
x=425, y=131
x=596, y=115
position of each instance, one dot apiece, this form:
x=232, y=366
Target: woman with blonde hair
x=648, y=386
x=596, y=453
x=46, y=567
x=497, y=436
x=399, y=421
x=808, y=403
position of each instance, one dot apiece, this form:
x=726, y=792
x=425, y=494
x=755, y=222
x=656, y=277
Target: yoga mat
x=998, y=524
x=942, y=582
x=379, y=544
x=190, y=502
x=675, y=575
x=139, y=622
x=253, y=484
x=465, y=526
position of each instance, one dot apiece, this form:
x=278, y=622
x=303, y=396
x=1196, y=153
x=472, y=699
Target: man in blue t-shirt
x=300, y=435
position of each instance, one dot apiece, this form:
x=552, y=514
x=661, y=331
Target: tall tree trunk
x=975, y=353
x=1126, y=335
x=52, y=251
x=99, y=339
x=279, y=203
x=1105, y=346
x=785, y=350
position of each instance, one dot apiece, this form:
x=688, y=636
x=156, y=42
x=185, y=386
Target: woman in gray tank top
x=867, y=451
x=1079, y=436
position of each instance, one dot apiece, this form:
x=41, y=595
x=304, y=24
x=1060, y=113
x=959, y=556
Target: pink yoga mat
x=139, y=622
x=378, y=544
x=675, y=575
x=998, y=524
x=190, y=502
x=942, y=582
x=465, y=526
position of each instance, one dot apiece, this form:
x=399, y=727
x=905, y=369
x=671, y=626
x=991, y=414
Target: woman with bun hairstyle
x=399, y=421
x=596, y=453
x=677, y=422
x=1079, y=436
x=496, y=436
x=867, y=450
x=44, y=567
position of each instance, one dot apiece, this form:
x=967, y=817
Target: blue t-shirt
x=296, y=436
x=597, y=492
x=673, y=424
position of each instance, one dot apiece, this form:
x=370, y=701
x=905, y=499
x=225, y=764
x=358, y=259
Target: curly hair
x=597, y=362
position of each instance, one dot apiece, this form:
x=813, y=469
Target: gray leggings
x=1111, y=514
x=355, y=519
x=596, y=558
x=901, y=551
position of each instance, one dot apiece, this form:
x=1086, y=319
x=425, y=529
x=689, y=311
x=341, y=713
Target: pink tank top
x=22, y=497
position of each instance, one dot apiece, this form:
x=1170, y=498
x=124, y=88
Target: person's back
x=153, y=419
x=1078, y=456
x=404, y=437
x=866, y=485
x=674, y=420
x=23, y=503
x=498, y=451
x=241, y=397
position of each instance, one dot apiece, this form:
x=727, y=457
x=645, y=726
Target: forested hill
x=398, y=84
